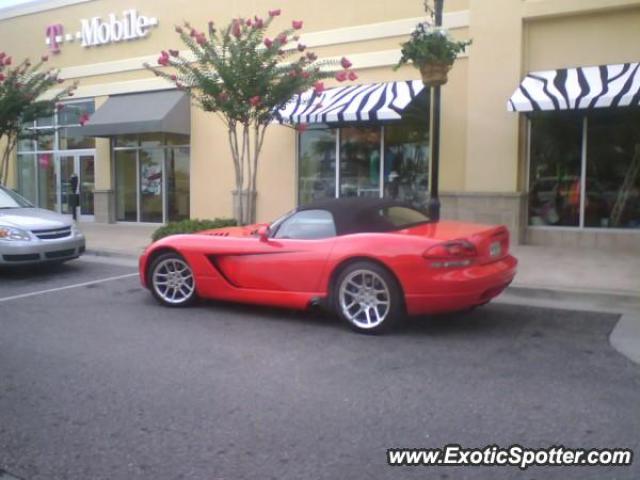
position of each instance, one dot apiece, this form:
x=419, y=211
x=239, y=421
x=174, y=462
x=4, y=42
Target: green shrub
x=191, y=226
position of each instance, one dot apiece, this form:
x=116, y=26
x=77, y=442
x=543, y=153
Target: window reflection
x=554, y=180
x=360, y=162
x=406, y=163
x=317, y=171
x=613, y=169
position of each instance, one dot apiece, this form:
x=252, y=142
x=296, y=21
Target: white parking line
x=67, y=287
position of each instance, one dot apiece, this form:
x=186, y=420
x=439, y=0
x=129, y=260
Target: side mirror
x=263, y=233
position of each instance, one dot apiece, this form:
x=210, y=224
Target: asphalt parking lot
x=99, y=382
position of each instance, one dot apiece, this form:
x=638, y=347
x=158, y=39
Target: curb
x=625, y=337
x=111, y=254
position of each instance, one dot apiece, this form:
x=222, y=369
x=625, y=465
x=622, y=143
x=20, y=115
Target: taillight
x=456, y=253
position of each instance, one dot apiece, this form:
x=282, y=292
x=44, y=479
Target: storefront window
x=178, y=178
x=400, y=170
x=406, y=163
x=555, y=169
x=611, y=179
x=317, y=171
x=27, y=176
x=613, y=169
x=152, y=178
x=47, y=191
x=47, y=142
x=360, y=162
x=126, y=190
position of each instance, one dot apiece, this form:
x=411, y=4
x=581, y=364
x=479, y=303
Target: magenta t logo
x=54, y=34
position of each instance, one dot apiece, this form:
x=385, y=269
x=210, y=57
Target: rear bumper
x=41, y=251
x=460, y=289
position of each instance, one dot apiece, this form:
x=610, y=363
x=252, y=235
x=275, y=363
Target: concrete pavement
x=100, y=382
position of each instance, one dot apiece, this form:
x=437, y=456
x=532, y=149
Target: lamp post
x=434, y=201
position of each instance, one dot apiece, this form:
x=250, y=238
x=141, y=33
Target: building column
x=495, y=69
x=104, y=195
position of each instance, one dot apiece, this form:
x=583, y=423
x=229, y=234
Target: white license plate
x=495, y=249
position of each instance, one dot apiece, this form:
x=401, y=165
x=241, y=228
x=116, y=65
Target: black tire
x=178, y=281
x=360, y=316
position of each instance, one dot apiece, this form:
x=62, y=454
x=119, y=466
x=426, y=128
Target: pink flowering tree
x=21, y=102
x=245, y=76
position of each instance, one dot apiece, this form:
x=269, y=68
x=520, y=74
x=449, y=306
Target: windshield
x=10, y=199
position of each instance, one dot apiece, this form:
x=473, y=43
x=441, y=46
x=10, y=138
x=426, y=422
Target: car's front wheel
x=171, y=280
x=368, y=298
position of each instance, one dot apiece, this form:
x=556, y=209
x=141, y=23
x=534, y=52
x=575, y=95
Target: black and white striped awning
x=578, y=89
x=351, y=103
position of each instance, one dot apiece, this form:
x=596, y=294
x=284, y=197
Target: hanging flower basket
x=434, y=74
x=433, y=51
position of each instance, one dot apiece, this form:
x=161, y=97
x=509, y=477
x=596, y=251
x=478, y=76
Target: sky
x=11, y=3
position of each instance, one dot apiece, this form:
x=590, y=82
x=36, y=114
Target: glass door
x=85, y=165
x=76, y=176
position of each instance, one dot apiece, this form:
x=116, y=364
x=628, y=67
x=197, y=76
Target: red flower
x=282, y=38
x=318, y=87
x=305, y=75
x=352, y=76
x=2, y=77
x=2, y=55
x=312, y=56
x=301, y=47
x=341, y=76
x=84, y=118
x=164, y=53
x=193, y=32
x=293, y=73
x=44, y=58
x=174, y=53
x=259, y=23
x=268, y=42
x=296, y=24
x=7, y=61
x=274, y=13
x=174, y=78
x=255, y=101
x=248, y=23
x=235, y=30
x=178, y=29
x=345, y=63
x=302, y=127
x=164, y=61
x=201, y=39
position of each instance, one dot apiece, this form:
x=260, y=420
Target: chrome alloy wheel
x=364, y=299
x=172, y=280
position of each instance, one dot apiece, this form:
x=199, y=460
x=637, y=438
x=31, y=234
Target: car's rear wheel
x=368, y=298
x=171, y=280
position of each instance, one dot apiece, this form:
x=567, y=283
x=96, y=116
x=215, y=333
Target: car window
x=307, y=225
x=9, y=199
x=398, y=217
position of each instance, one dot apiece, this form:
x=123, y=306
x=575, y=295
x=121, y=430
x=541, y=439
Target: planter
x=247, y=217
x=434, y=74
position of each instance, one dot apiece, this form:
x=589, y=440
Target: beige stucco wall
x=482, y=148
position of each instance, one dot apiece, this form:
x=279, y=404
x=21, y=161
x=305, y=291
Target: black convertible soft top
x=359, y=214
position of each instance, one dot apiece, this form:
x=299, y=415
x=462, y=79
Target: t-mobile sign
x=97, y=31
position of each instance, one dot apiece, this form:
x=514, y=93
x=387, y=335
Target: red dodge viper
x=370, y=260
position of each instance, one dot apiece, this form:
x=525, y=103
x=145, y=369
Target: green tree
x=244, y=76
x=22, y=89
